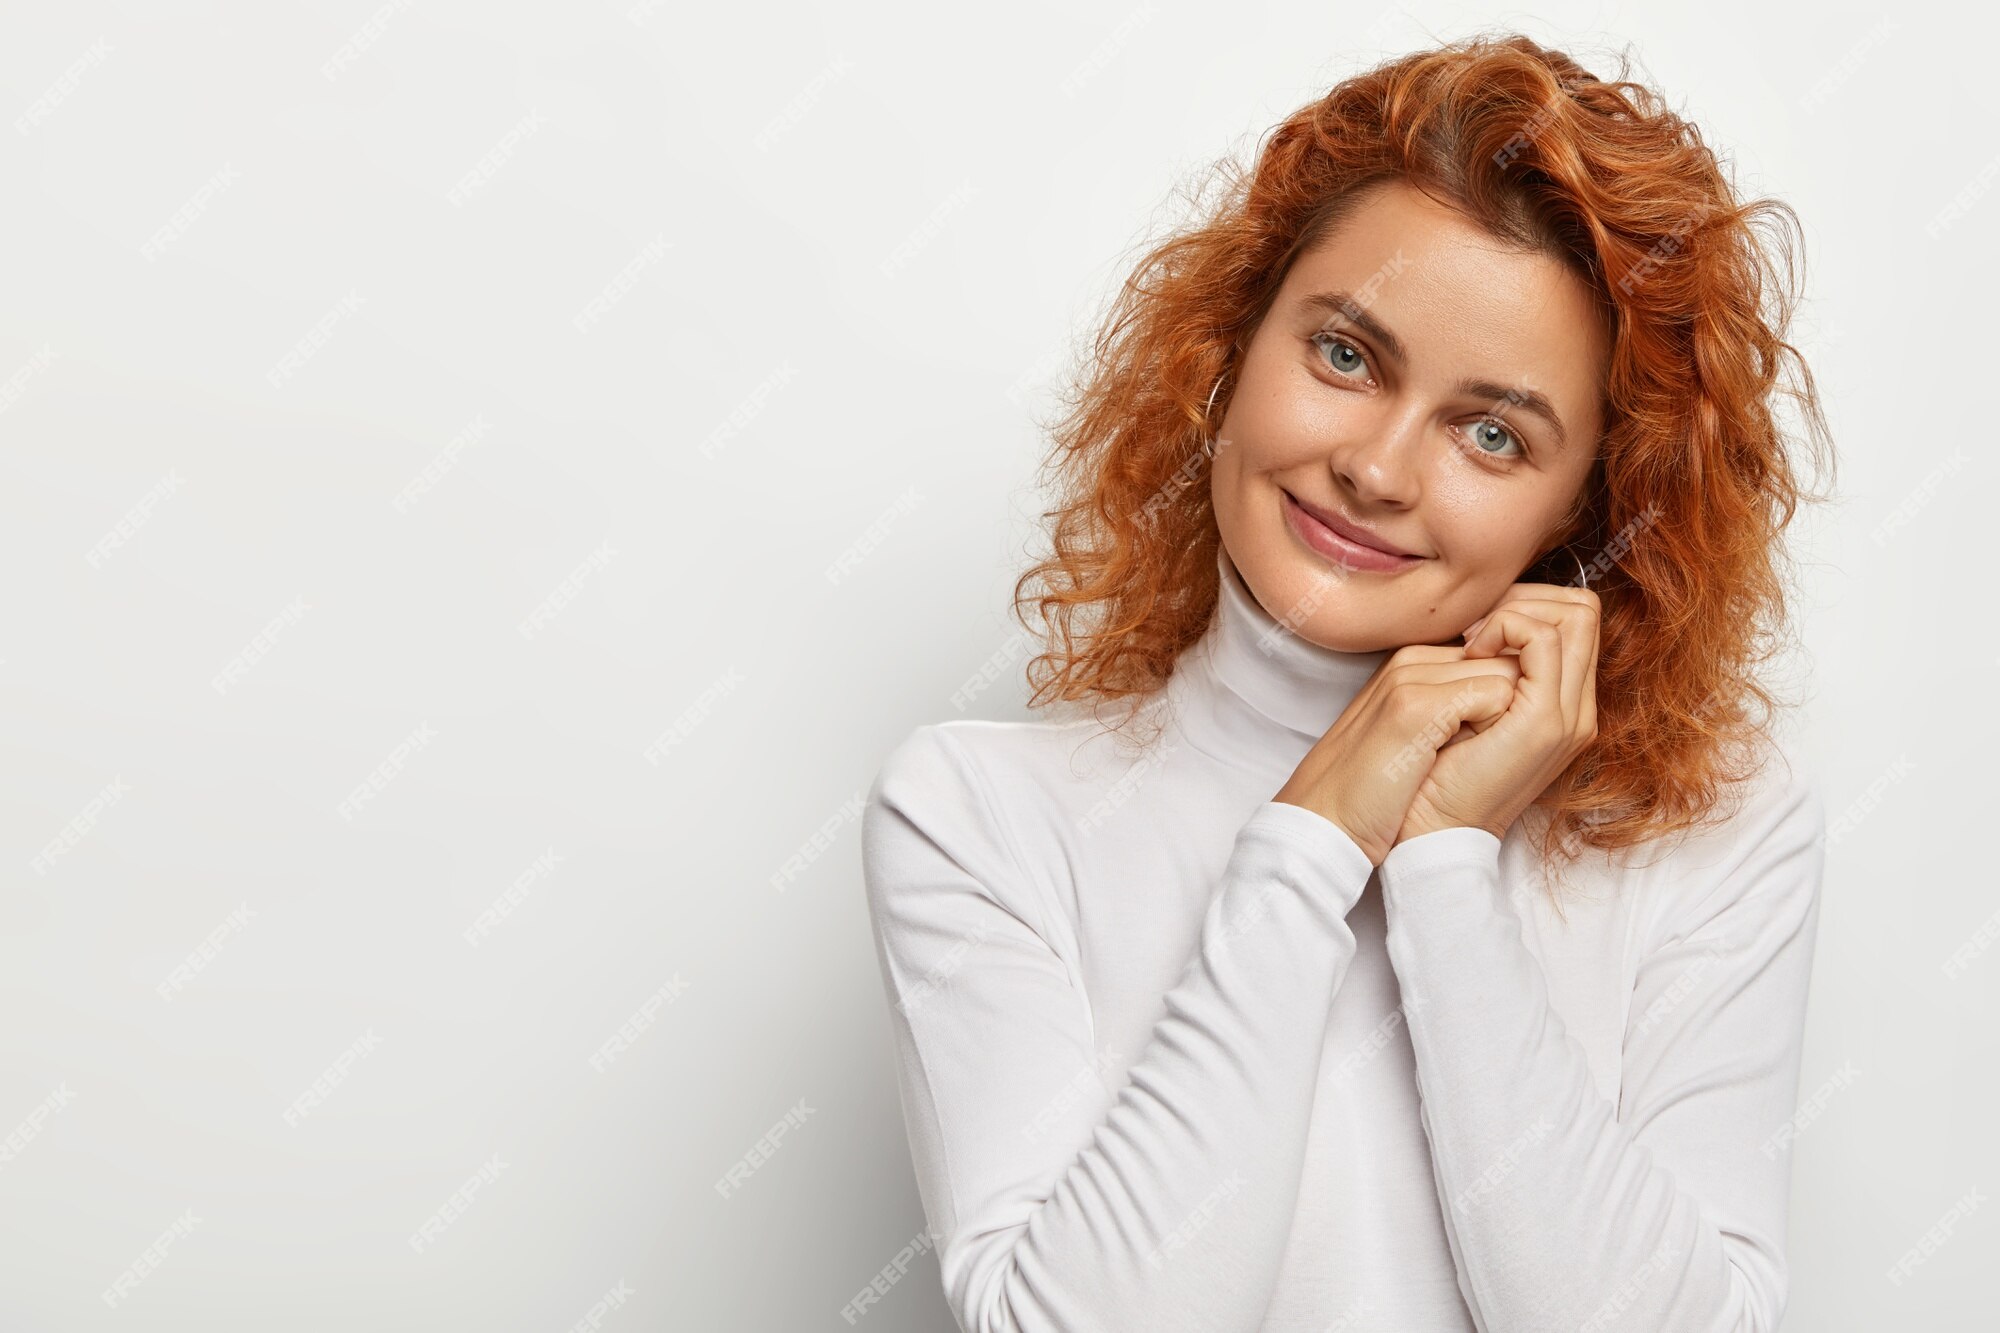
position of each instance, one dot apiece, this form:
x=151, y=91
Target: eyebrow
x=1344, y=305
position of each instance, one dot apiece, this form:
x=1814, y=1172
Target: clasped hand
x=1490, y=772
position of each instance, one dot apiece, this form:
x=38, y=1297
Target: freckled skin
x=1408, y=457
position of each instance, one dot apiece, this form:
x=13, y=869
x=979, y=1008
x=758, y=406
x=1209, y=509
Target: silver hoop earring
x=1208, y=438
x=1582, y=574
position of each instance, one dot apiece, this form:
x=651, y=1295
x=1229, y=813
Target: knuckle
x=1408, y=706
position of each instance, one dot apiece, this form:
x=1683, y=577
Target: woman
x=1283, y=1017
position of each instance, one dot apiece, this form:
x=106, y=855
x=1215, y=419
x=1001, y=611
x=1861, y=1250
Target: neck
x=1253, y=670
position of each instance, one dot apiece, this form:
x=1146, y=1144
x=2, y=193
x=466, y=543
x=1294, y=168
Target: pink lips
x=1341, y=550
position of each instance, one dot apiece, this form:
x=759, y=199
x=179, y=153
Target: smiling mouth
x=1332, y=544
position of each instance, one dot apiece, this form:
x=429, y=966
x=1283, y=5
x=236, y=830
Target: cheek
x=1471, y=519
x=1283, y=417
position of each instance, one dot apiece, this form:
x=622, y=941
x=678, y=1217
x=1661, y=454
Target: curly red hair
x=1692, y=486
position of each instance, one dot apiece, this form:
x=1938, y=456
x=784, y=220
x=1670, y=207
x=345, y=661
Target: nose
x=1380, y=460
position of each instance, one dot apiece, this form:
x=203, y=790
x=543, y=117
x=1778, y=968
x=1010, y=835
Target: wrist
x=1370, y=848
x=1423, y=827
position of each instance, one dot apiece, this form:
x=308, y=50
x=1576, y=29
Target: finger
x=1459, y=664
x=1581, y=629
x=1540, y=645
x=1577, y=619
x=1437, y=713
x=1425, y=716
x=1552, y=609
x=1535, y=592
x=1403, y=659
x=1459, y=668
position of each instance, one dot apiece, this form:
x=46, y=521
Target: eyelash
x=1511, y=434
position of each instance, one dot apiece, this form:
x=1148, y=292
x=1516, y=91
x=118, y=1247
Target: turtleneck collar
x=1248, y=660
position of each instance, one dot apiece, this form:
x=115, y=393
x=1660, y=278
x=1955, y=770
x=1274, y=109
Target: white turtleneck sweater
x=1175, y=1056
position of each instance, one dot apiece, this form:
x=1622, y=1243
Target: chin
x=1324, y=605
x=1350, y=633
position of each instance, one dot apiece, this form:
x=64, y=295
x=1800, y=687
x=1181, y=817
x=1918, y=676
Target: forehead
x=1462, y=302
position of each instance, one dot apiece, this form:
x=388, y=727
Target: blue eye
x=1483, y=431
x=1339, y=343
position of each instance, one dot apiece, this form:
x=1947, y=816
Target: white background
x=190, y=199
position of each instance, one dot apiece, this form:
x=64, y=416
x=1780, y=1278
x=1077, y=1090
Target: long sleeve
x=1055, y=1207
x=1666, y=1210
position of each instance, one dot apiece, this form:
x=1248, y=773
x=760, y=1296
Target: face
x=1447, y=408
